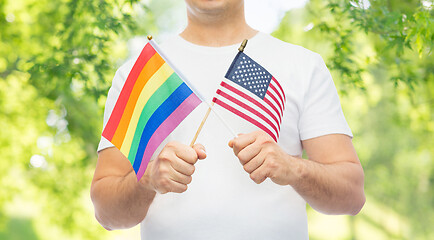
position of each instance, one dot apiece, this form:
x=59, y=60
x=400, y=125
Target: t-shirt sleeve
x=112, y=96
x=321, y=111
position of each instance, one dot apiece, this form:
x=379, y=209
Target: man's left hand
x=262, y=157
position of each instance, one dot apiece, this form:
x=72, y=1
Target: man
x=248, y=187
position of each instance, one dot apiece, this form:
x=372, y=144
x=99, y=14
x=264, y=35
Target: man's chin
x=210, y=6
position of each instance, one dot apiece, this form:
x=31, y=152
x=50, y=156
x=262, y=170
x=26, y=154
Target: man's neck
x=217, y=31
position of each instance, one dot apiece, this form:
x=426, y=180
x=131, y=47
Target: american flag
x=253, y=94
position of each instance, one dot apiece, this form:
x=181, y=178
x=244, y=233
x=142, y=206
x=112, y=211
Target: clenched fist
x=262, y=157
x=172, y=170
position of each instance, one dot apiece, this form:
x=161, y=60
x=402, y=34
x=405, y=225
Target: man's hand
x=262, y=157
x=331, y=180
x=122, y=202
x=172, y=170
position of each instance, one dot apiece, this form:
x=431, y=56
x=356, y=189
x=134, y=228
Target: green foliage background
x=57, y=59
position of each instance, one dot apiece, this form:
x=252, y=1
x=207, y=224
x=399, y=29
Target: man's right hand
x=172, y=170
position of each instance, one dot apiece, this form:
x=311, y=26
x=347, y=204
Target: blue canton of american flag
x=253, y=94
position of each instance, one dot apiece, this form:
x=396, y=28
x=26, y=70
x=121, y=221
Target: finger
x=177, y=187
x=179, y=177
x=186, y=153
x=167, y=185
x=231, y=142
x=183, y=167
x=242, y=141
x=200, y=151
x=254, y=163
x=259, y=175
x=248, y=153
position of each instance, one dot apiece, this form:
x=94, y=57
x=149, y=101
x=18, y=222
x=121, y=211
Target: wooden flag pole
x=201, y=125
x=241, y=49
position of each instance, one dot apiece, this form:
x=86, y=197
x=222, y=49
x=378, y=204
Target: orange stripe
x=148, y=70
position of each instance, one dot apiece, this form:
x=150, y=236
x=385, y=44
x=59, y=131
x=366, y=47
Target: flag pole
x=241, y=49
x=201, y=125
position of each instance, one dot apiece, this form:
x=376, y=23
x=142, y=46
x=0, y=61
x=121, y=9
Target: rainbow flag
x=153, y=102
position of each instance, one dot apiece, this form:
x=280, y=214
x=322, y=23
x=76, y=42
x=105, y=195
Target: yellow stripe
x=151, y=86
x=146, y=73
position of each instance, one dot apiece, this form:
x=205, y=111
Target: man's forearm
x=121, y=202
x=335, y=188
x=332, y=184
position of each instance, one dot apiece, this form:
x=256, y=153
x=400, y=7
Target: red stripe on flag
x=244, y=116
x=275, y=100
x=280, y=87
x=248, y=108
x=247, y=97
x=147, y=52
x=273, y=107
x=278, y=94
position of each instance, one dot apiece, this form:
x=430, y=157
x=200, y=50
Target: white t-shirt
x=222, y=202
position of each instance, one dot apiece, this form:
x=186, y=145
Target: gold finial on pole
x=149, y=37
x=243, y=45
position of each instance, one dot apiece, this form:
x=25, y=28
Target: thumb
x=200, y=150
x=231, y=142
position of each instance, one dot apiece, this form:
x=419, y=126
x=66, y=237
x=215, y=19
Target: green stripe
x=157, y=98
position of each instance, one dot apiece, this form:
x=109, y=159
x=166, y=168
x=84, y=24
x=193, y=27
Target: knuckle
x=189, y=179
x=191, y=170
x=272, y=164
x=247, y=168
x=242, y=159
x=193, y=159
x=269, y=150
x=254, y=177
x=236, y=152
x=272, y=175
x=266, y=139
x=242, y=156
x=257, y=177
x=257, y=181
x=164, y=183
x=164, y=156
x=266, y=145
x=235, y=144
x=190, y=156
x=162, y=170
x=181, y=189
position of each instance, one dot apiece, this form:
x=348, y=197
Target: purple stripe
x=171, y=122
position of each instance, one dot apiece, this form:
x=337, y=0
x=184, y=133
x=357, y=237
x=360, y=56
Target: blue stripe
x=158, y=117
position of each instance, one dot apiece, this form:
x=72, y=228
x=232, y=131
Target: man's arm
x=119, y=200
x=331, y=180
x=122, y=202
